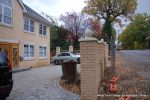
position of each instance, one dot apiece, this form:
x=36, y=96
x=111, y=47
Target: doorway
x=12, y=51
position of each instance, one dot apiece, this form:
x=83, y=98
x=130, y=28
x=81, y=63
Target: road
x=139, y=60
x=39, y=84
x=133, y=66
x=138, y=57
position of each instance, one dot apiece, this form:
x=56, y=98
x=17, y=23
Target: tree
x=110, y=11
x=59, y=37
x=135, y=36
x=95, y=26
x=52, y=19
x=76, y=23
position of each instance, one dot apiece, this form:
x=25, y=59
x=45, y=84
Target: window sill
x=28, y=58
x=29, y=32
x=7, y=25
x=43, y=57
x=45, y=36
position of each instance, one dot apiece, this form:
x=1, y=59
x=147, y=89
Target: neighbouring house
x=24, y=35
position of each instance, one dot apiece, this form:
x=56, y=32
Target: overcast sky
x=143, y=6
x=57, y=7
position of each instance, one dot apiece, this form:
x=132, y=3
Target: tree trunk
x=113, y=57
x=111, y=40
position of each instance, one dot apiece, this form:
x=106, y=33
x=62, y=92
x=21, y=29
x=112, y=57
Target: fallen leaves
x=70, y=87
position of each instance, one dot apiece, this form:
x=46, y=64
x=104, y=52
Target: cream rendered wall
x=16, y=32
x=37, y=41
x=13, y=32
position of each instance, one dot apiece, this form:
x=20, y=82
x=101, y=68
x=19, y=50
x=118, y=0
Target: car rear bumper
x=6, y=89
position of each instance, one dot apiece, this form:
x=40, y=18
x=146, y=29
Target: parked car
x=57, y=59
x=6, y=82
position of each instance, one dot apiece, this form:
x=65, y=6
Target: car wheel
x=56, y=62
x=78, y=60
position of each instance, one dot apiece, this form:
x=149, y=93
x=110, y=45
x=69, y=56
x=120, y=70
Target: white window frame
x=29, y=25
x=43, y=57
x=11, y=9
x=29, y=52
x=42, y=34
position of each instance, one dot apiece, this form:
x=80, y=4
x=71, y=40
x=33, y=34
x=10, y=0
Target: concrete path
x=39, y=84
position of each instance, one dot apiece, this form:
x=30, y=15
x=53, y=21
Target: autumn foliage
x=95, y=26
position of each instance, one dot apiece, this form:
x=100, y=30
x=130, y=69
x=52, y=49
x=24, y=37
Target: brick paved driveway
x=39, y=84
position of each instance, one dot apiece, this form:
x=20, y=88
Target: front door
x=15, y=56
x=12, y=53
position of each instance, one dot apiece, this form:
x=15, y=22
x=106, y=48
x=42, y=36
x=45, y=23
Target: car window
x=67, y=54
x=64, y=54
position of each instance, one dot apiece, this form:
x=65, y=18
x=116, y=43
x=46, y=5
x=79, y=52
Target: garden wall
x=93, y=63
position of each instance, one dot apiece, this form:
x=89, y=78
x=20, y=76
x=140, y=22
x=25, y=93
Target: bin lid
x=68, y=61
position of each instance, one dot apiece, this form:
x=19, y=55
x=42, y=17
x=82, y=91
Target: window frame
x=3, y=14
x=42, y=30
x=44, y=55
x=29, y=51
x=29, y=21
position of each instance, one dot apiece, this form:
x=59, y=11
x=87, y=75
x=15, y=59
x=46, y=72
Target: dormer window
x=6, y=12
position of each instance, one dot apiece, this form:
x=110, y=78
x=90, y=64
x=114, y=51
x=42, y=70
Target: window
x=28, y=51
x=6, y=12
x=42, y=51
x=65, y=54
x=28, y=24
x=42, y=30
x=0, y=13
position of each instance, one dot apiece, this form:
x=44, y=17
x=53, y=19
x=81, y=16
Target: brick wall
x=92, y=56
x=57, y=50
x=88, y=70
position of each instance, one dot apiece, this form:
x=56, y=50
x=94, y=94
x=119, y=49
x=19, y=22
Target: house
x=24, y=35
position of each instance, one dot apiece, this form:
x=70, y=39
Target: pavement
x=40, y=84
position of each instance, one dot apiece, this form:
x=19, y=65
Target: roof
x=30, y=12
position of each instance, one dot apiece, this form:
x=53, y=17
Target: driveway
x=39, y=84
x=133, y=66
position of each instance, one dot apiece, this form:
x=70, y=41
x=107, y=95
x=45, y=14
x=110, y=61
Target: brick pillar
x=108, y=63
x=101, y=58
x=106, y=51
x=70, y=48
x=88, y=68
x=57, y=50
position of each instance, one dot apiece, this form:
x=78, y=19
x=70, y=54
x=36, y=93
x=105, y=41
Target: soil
x=70, y=87
x=130, y=83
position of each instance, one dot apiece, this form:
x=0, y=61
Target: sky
x=143, y=6
x=57, y=7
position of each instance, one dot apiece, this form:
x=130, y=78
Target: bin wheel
x=56, y=62
x=78, y=60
